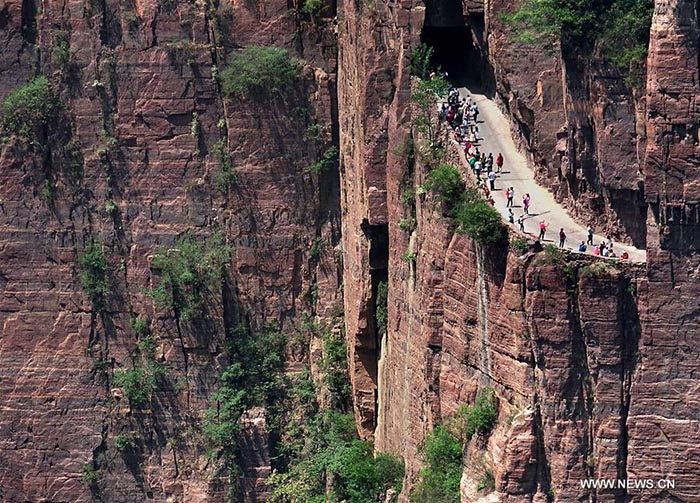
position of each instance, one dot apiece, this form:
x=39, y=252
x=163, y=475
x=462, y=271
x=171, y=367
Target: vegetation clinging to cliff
x=94, y=274
x=619, y=27
x=335, y=465
x=188, y=272
x=442, y=450
x=259, y=70
x=252, y=378
x=29, y=107
x=479, y=220
x=473, y=215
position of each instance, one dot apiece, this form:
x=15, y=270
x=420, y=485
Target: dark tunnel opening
x=457, y=42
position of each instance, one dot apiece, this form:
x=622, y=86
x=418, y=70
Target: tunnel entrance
x=457, y=42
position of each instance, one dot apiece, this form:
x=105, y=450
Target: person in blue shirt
x=582, y=247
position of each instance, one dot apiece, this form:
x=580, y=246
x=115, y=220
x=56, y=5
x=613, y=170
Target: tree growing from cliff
x=189, y=271
x=425, y=94
x=259, y=71
x=252, y=378
x=442, y=449
x=29, y=107
x=93, y=277
x=479, y=220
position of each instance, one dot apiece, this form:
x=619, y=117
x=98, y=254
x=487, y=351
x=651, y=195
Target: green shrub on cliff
x=93, y=264
x=259, y=70
x=189, y=272
x=479, y=418
x=334, y=365
x=326, y=162
x=442, y=469
x=442, y=450
x=252, y=378
x=336, y=466
x=29, y=107
x=315, y=9
x=420, y=61
x=445, y=181
x=479, y=220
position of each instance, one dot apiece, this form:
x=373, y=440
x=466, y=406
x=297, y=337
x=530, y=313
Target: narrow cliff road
x=494, y=130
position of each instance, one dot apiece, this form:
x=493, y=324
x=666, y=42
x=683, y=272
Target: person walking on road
x=543, y=230
x=511, y=217
x=499, y=162
x=492, y=180
x=521, y=223
x=562, y=237
x=526, y=204
x=590, y=235
x=510, y=193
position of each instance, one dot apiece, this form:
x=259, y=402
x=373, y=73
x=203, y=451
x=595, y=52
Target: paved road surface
x=494, y=130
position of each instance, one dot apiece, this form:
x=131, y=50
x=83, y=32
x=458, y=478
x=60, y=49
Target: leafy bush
x=335, y=367
x=442, y=471
x=478, y=219
x=259, y=70
x=139, y=382
x=552, y=254
x=336, y=466
x=479, y=418
x=410, y=256
x=442, y=450
x=141, y=327
x=597, y=269
x=227, y=175
x=326, y=161
x=521, y=245
x=253, y=377
x=420, y=61
x=89, y=475
x=188, y=273
x=407, y=224
x=424, y=96
x=124, y=442
x=94, y=267
x=29, y=107
x=445, y=181
x=314, y=8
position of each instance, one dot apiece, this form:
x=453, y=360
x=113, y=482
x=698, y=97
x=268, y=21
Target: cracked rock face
x=594, y=373
x=124, y=166
x=574, y=357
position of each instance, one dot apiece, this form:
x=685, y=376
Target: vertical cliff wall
x=663, y=426
x=125, y=166
x=574, y=351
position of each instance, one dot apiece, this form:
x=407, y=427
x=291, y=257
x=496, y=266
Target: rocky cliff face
x=592, y=366
x=663, y=412
x=574, y=352
x=125, y=166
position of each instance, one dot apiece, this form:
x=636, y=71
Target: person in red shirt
x=499, y=162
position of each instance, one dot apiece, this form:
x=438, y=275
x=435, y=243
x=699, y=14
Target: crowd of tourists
x=462, y=114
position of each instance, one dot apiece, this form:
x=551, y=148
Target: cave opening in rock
x=457, y=42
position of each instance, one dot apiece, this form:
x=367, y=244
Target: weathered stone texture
x=139, y=73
